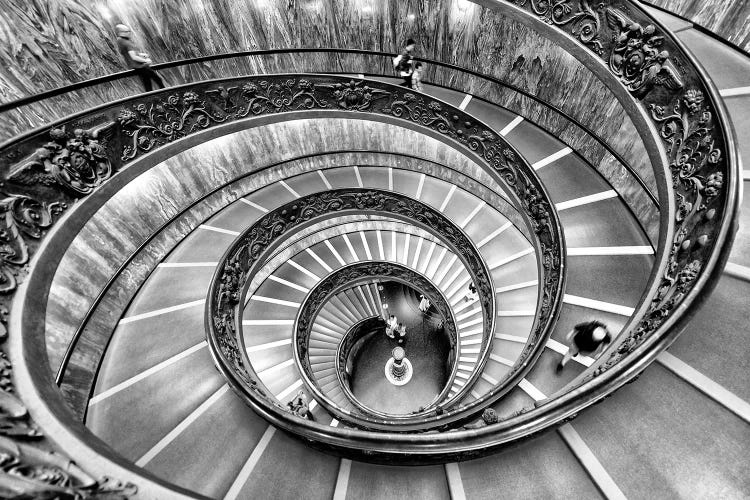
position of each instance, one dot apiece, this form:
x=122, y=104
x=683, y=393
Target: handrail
x=249, y=53
x=351, y=337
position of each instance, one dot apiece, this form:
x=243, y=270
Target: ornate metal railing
x=247, y=254
x=632, y=52
x=51, y=169
x=340, y=280
x=696, y=149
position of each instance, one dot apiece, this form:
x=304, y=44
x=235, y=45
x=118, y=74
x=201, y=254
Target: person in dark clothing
x=139, y=62
x=401, y=334
x=416, y=77
x=298, y=406
x=588, y=338
x=403, y=63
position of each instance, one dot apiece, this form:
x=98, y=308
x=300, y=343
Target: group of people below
x=395, y=330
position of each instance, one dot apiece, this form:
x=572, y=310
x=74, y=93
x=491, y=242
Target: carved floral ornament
x=694, y=159
x=637, y=57
x=76, y=162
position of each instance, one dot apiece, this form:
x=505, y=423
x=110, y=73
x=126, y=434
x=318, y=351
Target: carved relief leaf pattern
x=581, y=19
x=637, y=58
x=692, y=151
x=78, y=162
x=22, y=217
x=28, y=472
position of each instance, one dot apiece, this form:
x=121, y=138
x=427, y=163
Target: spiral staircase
x=179, y=266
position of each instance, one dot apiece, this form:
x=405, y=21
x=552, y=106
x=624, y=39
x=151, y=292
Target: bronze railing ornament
x=701, y=157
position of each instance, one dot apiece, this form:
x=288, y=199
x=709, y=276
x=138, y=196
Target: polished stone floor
x=426, y=347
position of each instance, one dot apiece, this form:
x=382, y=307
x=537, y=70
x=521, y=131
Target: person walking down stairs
x=588, y=338
x=140, y=62
x=391, y=325
x=299, y=406
x=403, y=63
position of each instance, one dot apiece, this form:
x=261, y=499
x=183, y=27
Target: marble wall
x=729, y=19
x=50, y=42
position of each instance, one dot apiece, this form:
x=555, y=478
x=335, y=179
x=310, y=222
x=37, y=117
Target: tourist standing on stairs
x=390, y=326
x=401, y=334
x=403, y=63
x=299, y=406
x=424, y=304
x=416, y=78
x=140, y=62
x=588, y=338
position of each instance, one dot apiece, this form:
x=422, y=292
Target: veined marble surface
x=53, y=42
x=729, y=19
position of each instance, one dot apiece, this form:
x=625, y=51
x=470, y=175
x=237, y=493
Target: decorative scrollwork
x=77, y=162
x=687, y=132
x=28, y=472
x=692, y=151
x=637, y=58
x=155, y=124
x=582, y=20
x=14, y=418
x=22, y=217
x=355, y=95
